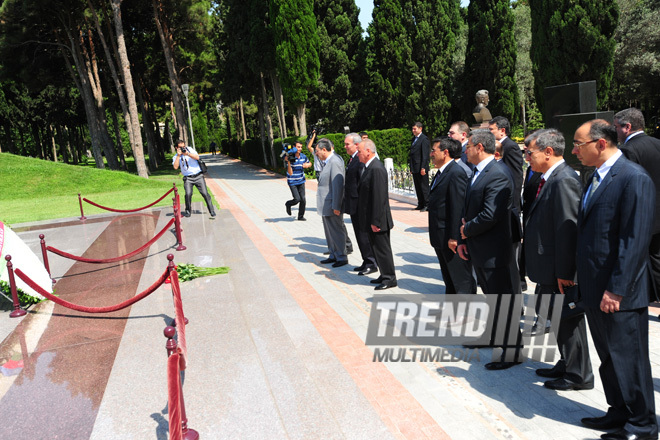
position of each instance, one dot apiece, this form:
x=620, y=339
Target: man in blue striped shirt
x=295, y=177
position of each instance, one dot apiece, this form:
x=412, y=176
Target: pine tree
x=432, y=27
x=388, y=60
x=572, y=41
x=339, y=89
x=296, y=51
x=490, y=61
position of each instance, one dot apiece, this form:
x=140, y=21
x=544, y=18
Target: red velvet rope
x=114, y=259
x=128, y=210
x=86, y=309
x=174, y=396
x=179, y=317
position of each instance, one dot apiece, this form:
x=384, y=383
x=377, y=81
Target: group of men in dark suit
x=361, y=190
x=593, y=244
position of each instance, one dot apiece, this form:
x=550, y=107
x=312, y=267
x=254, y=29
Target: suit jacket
x=468, y=170
x=645, y=151
x=373, y=200
x=530, y=187
x=487, y=214
x=353, y=171
x=446, y=201
x=512, y=157
x=551, y=228
x=419, y=154
x=516, y=226
x=330, y=191
x=614, y=232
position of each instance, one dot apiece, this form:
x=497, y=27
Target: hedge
x=393, y=142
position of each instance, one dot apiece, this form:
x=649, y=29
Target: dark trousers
x=421, y=188
x=380, y=243
x=200, y=183
x=654, y=257
x=456, y=273
x=368, y=258
x=571, y=340
x=622, y=342
x=298, y=193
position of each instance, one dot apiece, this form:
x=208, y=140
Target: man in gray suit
x=329, y=199
x=550, y=239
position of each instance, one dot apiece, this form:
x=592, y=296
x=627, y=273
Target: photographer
x=187, y=158
x=295, y=177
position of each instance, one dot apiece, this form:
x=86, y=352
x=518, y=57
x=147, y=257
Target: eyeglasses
x=449, y=133
x=530, y=152
x=579, y=145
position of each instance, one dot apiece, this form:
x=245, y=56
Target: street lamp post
x=185, y=88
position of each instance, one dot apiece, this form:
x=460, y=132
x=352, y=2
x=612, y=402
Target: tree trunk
x=50, y=133
x=300, y=108
x=295, y=126
x=279, y=103
x=119, y=144
x=148, y=131
x=269, y=123
x=262, y=131
x=243, y=119
x=138, y=151
x=168, y=45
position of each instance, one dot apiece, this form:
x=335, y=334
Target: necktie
x=414, y=140
x=595, y=181
x=476, y=174
x=435, y=179
x=538, y=191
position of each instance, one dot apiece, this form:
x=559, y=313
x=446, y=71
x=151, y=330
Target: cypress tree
x=572, y=40
x=432, y=27
x=296, y=51
x=339, y=90
x=388, y=61
x=490, y=60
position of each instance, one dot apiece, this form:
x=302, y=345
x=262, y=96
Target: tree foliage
x=490, y=61
x=572, y=41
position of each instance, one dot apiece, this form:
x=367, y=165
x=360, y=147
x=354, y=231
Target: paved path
x=276, y=347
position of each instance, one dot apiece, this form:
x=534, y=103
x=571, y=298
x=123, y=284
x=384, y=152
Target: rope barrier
x=151, y=289
x=179, y=317
x=178, y=420
x=114, y=259
x=128, y=210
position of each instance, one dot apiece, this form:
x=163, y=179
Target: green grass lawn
x=35, y=189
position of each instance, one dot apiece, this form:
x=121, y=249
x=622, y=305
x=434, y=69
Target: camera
x=184, y=150
x=288, y=152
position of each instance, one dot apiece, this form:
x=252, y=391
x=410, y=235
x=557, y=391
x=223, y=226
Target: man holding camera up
x=295, y=177
x=187, y=158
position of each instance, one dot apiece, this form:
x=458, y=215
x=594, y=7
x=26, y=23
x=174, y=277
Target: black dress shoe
x=551, y=373
x=602, y=423
x=376, y=281
x=212, y=215
x=417, y=208
x=623, y=434
x=288, y=209
x=423, y=209
x=360, y=268
x=186, y=213
x=340, y=263
x=562, y=384
x=302, y=219
x=385, y=286
x=500, y=365
x=328, y=261
x=368, y=270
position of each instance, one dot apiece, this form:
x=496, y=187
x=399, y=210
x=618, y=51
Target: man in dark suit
x=353, y=171
x=511, y=154
x=459, y=131
x=446, y=201
x=329, y=202
x=486, y=231
x=530, y=187
x=418, y=160
x=374, y=213
x=614, y=230
x=645, y=151
x=550, y=238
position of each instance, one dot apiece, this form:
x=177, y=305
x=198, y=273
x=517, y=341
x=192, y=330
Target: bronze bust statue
x=481, y=113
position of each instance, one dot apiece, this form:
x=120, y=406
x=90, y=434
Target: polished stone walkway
x=276, y=347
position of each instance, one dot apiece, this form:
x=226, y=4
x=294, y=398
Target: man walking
x=419, y=165
x=295, y=178
x=614, y=231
